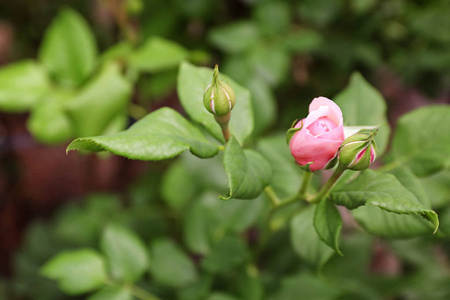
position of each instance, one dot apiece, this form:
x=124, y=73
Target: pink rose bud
x=359, y=151
x=315, y=140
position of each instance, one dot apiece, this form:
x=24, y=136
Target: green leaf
x=227, y=254
x=263, y=104
x=302, y=41
x=120, y=52
x=21, y=85
x=157, y=55
x=386, y=224
x=126, y=253
x=170, y=265
x=306, y=286
x=362, y=104
x=48, y=123
x=209, y=218
x=383, y=191
x=236, y=37
x=102, y=99
x=248, y=171
x=77, y=271
x=421, y=140
x=269, y=63
x=305, y=240
x=111, y=293
x=328, y=224
x=274, y=18
x=438, y=188
x=192, y=82
x=221, y=296
x=178, y=186
x=286, y=175
x=68, y=50
x=161, y=135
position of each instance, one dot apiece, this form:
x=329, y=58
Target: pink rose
x=321, y=135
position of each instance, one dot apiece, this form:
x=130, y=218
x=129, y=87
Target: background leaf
x=100, y=101
x=22, y=84
x=328, y=223
x=227, y=254
x=68, y=50
x=160, y=135
x=111, y=293
x=421, y=141
x=286, y=175
x=125, y=252
x=235, y=37
x=383, y=191
x=209, y=218
x=48, y=122
x=157, y=54
x=305, y=240
x=77, y=271
x=170, y=265
x=248, y=171
x=192, y=82
x=362, y=104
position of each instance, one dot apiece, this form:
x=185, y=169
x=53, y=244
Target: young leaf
x=328, y=223
x=421, y=140
x=68, y=50
x=102, y=99
x=362, y=104
x=111, y=293
x=248, y=171
x=192, y=82
x=161, y=135
x=306, y=241
x=385, y=192
x=170, y=265
x=126, y=253
x=21, y=85
x=77, y=272
x=157, y=55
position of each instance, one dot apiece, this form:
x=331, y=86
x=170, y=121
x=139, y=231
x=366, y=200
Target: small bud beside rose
x=219, y=98
x=358, y=151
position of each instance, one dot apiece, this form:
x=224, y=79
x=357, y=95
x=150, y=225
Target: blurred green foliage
x=169, y=234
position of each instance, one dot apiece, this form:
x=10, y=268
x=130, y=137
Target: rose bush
x=320, y=136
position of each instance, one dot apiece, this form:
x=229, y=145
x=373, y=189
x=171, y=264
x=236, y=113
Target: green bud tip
x=219, y=98
x=358, y=151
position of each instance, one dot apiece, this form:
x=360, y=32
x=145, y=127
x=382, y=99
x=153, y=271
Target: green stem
x=305, y=184
x=272, y=196
x=329, y=185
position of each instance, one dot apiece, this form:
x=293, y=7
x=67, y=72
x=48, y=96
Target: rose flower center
x=321, y=125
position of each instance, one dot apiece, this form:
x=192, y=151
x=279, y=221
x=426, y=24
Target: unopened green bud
x=358, y=151
x=219, y=98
